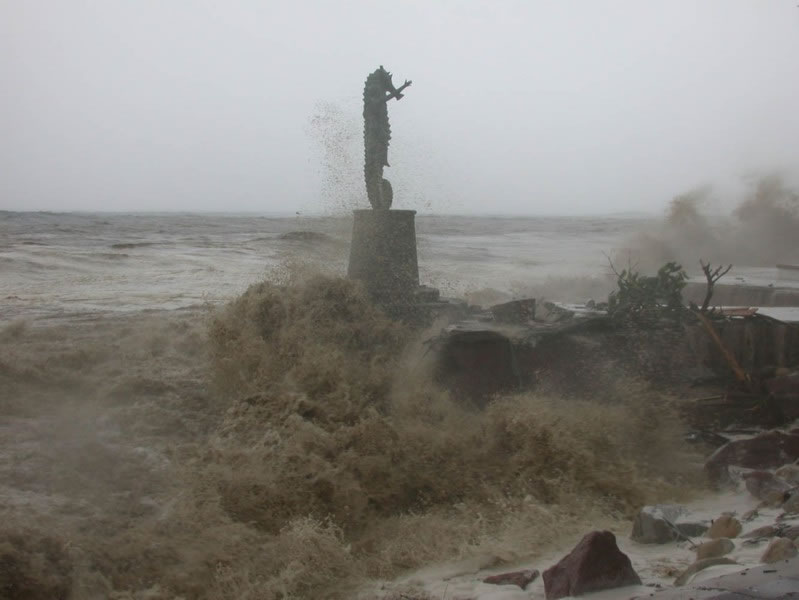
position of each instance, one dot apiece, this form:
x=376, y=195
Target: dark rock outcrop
x=768, y=450
x=596, y=563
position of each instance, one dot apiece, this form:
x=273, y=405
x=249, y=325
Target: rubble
x=549, y=312
x=511, y=346
x=663, y=523
x=515, y=311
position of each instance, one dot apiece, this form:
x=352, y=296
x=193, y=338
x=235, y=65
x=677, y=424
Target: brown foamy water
x=291, y=444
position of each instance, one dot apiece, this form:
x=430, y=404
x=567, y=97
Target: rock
x=784, y=384
x=768, y=450
x=789, y=474
x=549, y=312
x=515, y=311
x=596, y=563
x=766, y=531
x=791, y=533
x=520, y=578
x=714, y=548
x=690, y=528
x=699, y=565
x=779, y=549
x=653, y=525
x=791, y=501
x=726, y=526
x=750, y=515
x=766, y=486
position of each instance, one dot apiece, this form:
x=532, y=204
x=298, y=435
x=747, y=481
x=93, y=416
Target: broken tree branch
x=712, y=276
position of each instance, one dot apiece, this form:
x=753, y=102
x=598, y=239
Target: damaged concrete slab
x=501, y=349
x=517, y=345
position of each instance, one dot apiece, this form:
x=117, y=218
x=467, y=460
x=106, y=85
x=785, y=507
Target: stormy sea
x=203, y=406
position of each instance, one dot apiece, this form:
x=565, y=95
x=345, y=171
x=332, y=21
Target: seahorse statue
x=377, y=91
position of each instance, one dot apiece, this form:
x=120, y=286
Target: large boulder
x=768, y=450
x=663, y=523
x=596, y=563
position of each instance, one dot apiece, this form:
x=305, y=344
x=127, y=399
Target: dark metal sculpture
x=377, y=91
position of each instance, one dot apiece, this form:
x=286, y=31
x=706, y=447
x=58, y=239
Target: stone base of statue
x=383, y=252
x=383, y=257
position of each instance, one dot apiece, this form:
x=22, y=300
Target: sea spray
x=760, y=232
x=327, y=423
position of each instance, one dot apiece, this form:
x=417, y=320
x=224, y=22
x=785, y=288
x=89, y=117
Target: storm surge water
x=170, y=430
x=292, y=444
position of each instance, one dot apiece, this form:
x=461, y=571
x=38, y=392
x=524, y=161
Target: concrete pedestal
x=383, y=254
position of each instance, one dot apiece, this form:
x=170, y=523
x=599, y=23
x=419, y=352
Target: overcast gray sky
x=560, y=107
